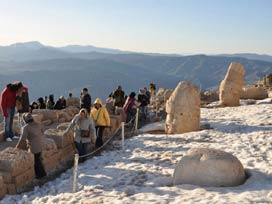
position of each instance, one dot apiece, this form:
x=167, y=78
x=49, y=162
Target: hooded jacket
x=77, y=125
x=100, y=116
x=32, y=137
x=8, y=100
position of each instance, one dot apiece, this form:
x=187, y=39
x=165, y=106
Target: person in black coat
x=60, y=104
x=143, y=99
x=85, y=100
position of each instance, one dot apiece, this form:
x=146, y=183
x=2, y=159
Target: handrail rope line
x=92, y=153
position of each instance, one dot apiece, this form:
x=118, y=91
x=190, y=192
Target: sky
x=161, y=26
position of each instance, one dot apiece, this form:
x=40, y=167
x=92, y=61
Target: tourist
x=8, y=102
x=85, y=100
x=101, y=119
x=32, y=138
x=83, y=128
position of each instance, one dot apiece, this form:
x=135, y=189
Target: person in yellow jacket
x=101, y=119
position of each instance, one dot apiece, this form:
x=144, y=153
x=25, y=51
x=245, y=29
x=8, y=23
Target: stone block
x=60, y=139
x=209, y=167
x=15, y=161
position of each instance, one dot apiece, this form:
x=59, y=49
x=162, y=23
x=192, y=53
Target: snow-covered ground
x=141, y=173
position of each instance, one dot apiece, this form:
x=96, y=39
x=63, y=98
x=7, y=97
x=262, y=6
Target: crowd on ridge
x=90, y=122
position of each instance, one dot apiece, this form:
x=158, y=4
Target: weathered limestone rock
x=256, y=93
x=16, y=169
x=231, y=87
x=119, y=111
x=47, y=122
x=65, y=116
x=183, y=109
x=209, y=167
x=59, y=138
x=49, y=149
x=47, y=114
x=73, y=101
x=15, y=161
x=163, y=95
x=66, y=153
x=2, y=135
x=3, y=188
x=63, y=126
x=37, y=117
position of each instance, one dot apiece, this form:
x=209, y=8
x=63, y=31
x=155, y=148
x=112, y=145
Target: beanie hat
x=27, y=117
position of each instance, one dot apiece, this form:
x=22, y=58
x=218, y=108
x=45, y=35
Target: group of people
x=91, y=120
x=48, y=103
x=131, y=103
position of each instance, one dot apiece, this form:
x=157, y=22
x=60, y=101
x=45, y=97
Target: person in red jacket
x=8, y=101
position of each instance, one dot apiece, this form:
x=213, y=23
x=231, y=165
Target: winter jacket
x=22, y=102
x=119, y=97
x=77, y=125
x=8, y=100
x=129, y=105
x=86, y=102
x=32, y=137
x=143, y=99
x=100, y=116
x=60, y=104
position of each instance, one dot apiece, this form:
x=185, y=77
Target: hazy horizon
x=155, y=26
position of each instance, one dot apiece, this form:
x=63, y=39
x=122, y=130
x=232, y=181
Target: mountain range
x=59, y=70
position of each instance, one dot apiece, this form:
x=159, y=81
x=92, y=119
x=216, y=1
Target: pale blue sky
x=165, y=26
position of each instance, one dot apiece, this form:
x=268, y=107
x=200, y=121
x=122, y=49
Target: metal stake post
x=123, y=134
x=75, y=173
x=137, y=118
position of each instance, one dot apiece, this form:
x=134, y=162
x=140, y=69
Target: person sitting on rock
x=60, y=104
x=50, y=102
x=101, y=119
x=84, y=130
x=41, y=103
x=32, y=138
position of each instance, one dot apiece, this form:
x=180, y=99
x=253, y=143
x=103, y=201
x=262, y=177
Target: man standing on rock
x=85, y=100
x=8, y=101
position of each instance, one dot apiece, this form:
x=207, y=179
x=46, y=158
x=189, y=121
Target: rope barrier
x=75, y=172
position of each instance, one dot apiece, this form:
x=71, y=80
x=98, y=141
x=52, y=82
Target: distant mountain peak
x=28, y=45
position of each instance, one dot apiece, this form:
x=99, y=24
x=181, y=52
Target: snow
x=141, y=173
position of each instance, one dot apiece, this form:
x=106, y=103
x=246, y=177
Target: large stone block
x=15, y=161
x=24, y=179
x=47, y=114
x=37, y=117
x=50, y=163
x=73, y=101
x=58, y=136
x=256, y=93
x=3, y=188
x=49, y=149
x=63, y=126
x=67, y=153
x=231, y=86
x=183, y=109
x=209, y=167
